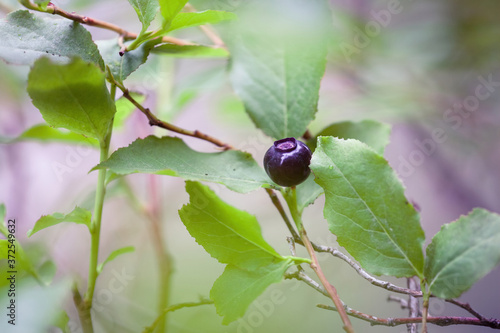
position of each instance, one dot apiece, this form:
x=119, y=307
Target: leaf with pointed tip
x=366, y=208
x=78, y=216
x=170, y=8
x=73, y=96
x=171, y=156
x=276, y=65
x=27, y=37
x=373, y=133
x=113, y=255
x=463, y=252
x=122, y=66
x=190, y=51
x=237, y=288
x=186, y=20
x=230, y=235
x=146, y=11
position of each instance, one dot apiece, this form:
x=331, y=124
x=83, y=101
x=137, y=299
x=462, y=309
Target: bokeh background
x=414, y=64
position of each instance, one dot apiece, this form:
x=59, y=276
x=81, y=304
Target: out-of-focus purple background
x=431, y=69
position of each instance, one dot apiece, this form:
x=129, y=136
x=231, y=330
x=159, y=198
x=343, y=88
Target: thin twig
x=302, y=276
x=127, y=35
x=154, y=121
x=466, y=307
x=324, y=281
x=291, y=245
x=376, y=282
x=290, y=195
x=413, y=306
x=173, y=308
x=281, y=210
x=402, y=302
x=440, y=321
x=208, y=30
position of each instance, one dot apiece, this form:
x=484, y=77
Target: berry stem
x=290, y=195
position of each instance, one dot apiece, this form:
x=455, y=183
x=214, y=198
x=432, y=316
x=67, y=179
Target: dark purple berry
x=287, y=162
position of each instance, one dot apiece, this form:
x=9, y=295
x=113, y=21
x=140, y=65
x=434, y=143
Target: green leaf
x=42, y=3
x=78, y=215
x=146, y=11
x=171, y=156
x=373, y=133
x=112, y=256
x=27, y=37
x=45, y=133
x=61, y=321
x=170, y=8
x=230, y=235
x=463, y=252
x=237, y=288
x=278, y=57
x=11, y=249
x=366, y=208
x=122, y=66
x=72, y=96
x=190, y=51
x=307, y=193
x=185, y=20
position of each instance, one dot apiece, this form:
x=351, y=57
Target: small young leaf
x=72, y=96
x=146, y=11
x=27, y=37
x=42, y=3
x=463, y=252
x=45, y=133
x=112, y=256
x=78, y=215
x=170, y=8
x=366, y=208
x=122, y=66
x=373, y=133
x=190, y=51
x=61, y=321
x=228, y=234
x=171, y=156
x=237, y=288
x=185, y=20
